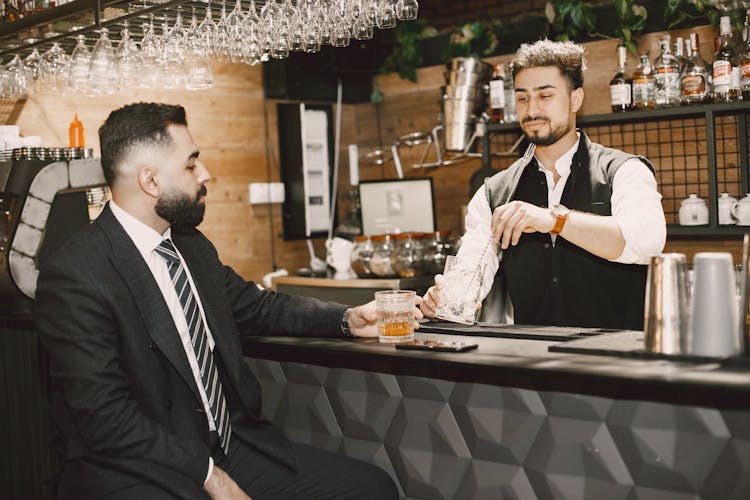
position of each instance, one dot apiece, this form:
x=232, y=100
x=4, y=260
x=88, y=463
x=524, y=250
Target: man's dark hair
x=568, y=57
x=142, y=123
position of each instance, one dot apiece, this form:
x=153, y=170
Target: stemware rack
x=64, y=23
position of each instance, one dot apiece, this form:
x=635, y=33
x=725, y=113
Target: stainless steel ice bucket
x=666, y=311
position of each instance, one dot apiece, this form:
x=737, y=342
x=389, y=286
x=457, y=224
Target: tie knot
x=167, y=251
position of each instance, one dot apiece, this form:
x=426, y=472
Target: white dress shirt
x=636, y=207
x=146, y=240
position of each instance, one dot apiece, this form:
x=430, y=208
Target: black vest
x=563, y=284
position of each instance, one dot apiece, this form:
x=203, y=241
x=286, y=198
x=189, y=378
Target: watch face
x=560, y=210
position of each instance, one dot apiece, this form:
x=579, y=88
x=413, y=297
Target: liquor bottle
x=620, y=87
x=724, y=60
x=510, y=96
x=745, y=60
x=643, y=85
x=679, y=53
x=694, y=78
x=666, y=76
x=497, y=94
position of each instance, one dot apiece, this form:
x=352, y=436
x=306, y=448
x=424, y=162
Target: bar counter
x=513, y=418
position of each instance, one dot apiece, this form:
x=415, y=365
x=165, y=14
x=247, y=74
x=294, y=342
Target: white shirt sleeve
x=478, y=231
x=637, y=209
x=210, y=469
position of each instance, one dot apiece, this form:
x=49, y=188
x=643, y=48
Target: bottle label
x=620, y=94
x=642, y=91
x=693, y=85
x=722, y=72
x=667, y=85
x=497, y=94
x=745, y=70
x=735, y=83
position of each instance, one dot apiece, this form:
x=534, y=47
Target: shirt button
x=546, y=245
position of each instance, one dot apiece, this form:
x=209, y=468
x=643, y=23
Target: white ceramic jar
x=726, y=203
x=694, y=211
x=741, y=211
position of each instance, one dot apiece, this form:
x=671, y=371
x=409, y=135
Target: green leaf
x=621, y=6
x=376, y=96
x=640, y=11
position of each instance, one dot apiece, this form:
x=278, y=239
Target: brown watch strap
x=559, y=223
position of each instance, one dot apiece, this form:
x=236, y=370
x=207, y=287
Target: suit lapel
x=214, y=303
x=147, y=296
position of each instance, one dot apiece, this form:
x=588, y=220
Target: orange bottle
x=76, y=133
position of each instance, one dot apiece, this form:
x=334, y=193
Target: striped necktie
x=199, y=339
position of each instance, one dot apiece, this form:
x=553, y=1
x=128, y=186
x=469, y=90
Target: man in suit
x=142, y=324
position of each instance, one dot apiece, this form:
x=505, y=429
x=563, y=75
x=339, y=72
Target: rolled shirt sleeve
x=637, y=209
x=478, y=224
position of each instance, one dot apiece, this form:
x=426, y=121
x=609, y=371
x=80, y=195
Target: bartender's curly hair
x=567, y=56
x=141, y=123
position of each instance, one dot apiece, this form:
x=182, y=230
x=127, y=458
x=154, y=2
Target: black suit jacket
x=125, y=399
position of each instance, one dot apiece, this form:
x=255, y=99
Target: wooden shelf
x=723, y=232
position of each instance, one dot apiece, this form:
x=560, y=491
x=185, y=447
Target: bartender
x=572, y=223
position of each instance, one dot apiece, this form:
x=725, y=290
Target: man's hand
x=222, y=487
x=509, y=221
x=431, y=300
x=363, y=319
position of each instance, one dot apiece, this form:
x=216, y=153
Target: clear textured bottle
x=620, y=91
x=643, y=85
x=497, y=94
x=724, y=65
x=667, y=76
x=679, y=53
x=694, y=77
x=510, y=96
x=745, y=60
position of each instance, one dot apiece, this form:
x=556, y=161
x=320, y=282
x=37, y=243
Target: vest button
x=168, y=404
x=546, y=245
x=152, y=346
x=554, y=280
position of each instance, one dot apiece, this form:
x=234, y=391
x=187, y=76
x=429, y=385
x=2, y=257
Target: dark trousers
x=321, y=475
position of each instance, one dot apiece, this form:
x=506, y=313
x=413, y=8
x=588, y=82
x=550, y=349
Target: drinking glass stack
x=464, y=99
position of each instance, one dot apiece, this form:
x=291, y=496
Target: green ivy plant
x=681, y=12
x=474, y=39
x=569, y=19
x=632, y=20
x=405, y=57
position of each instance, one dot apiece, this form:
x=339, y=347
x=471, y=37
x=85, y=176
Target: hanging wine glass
x=222, y=36
x=192, y=36
x=150, y=55
x=235, y=21
x=406, y=10
x=128, y=60
x=207, y=30
x=80, y=62
x=102, y=80
x=55, y=64
x=33, y=64
x=18, y=83
x=171, y=69
x=386, y=15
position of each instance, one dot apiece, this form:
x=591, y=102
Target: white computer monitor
x=397, y=205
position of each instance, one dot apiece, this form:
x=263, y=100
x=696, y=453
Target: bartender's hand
x=222, y=487
x=509, y=221
x=363, y=319
x=431, y=300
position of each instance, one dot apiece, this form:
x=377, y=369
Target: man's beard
x=181, y=210
x=555, y=134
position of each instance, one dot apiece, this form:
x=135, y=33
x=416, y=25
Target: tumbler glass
x=395, y=310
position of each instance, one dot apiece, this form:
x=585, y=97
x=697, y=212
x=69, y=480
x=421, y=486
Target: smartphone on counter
x=435, y=345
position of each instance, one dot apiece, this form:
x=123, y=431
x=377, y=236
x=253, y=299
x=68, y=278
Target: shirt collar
x=562, y=165
x=144, y=237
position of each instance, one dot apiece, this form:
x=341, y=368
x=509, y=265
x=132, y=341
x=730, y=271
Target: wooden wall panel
x=227, y=123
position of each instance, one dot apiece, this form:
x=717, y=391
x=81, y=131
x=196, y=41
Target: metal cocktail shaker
x=666, y=312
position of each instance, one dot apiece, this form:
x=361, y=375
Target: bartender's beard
x=556, y=131
x=181, y=210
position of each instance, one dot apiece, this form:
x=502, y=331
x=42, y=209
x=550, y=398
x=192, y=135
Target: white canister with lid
x=741, y=211
x=726, y=203
x=693, y=211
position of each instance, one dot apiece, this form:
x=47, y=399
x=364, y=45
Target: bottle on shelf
x=666, y=76
x=643, y=85
x=725, y=89
x=679, y=53
x=510, y=95
x=497, y=94
x=694, y=77
x=745, y=60
x=75, y=132
x=620, y=87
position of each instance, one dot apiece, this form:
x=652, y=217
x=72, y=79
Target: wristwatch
x=345, y=328
x=561, y=214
